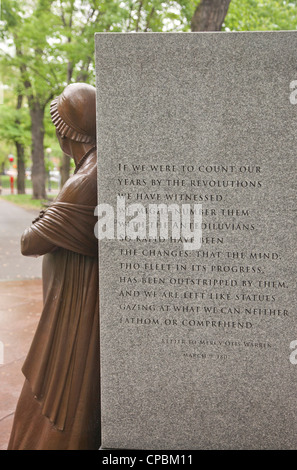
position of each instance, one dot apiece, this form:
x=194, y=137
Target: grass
x=25, y=201
x=5, y=182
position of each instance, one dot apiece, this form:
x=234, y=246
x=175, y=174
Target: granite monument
x=197, y=239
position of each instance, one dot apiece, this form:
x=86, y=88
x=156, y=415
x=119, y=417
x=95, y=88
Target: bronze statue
x=59, y=405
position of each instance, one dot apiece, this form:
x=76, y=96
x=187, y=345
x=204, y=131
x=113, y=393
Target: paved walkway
x=20, y=309
x=13, y=221
x=21, y=305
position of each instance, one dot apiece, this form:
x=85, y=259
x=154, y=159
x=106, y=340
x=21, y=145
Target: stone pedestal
x=198, y=343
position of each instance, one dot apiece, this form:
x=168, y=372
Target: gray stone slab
x=198, y=345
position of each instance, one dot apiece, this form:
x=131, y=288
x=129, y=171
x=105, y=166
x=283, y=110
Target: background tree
x=209, y=15
x=14, y=139
x=14, y=130
x=28, y=27
x=11, y=119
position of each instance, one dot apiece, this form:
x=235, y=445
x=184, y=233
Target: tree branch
x=148, y=19
x=130, y=17
x=62, y=14
x=138, y=15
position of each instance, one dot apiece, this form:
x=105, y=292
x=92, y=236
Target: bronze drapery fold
x=59, y=407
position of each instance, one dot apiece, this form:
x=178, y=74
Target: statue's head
x=74, y=113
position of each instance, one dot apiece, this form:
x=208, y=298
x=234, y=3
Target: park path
x=13, y=266
x=20, y=309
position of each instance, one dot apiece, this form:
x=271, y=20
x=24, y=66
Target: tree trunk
x=20, y=151
x=64, y=169
x=21, y=168
x=209, y=15
x=38, y=168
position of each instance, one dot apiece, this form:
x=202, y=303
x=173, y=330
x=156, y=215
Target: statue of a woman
x=59, y=406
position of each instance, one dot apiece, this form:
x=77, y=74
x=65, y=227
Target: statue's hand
x=41, y=214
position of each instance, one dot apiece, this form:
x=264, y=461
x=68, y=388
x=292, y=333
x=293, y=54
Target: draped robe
x=59, y=406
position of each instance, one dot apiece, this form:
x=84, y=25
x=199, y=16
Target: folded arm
x=33, y=244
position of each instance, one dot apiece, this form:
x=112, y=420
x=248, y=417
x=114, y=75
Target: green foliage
x=188, y=8
x=5, y=150
x=73, y=35
x=14, y=124
x=9, y=130
x=261, y=15
x=28, y=26
x=157, y=15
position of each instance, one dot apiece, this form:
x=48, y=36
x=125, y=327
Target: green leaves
x=261, y=15
x=9, y=130
x=156, y=15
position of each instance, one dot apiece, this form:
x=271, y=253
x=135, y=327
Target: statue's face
x=63, y=141
x=59, y=137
